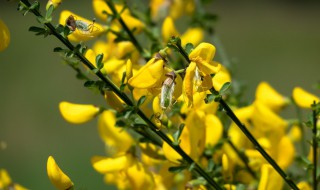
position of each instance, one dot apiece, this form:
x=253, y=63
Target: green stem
x=243, y=128
x=127, y=100
x=315, y=147
x=125, y=27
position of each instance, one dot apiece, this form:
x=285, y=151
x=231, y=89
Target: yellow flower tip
x=57, y=177
x=270, y=97
x=168, y=29
x=205, y=51
x=105, y=165
x=149, y=75
x=83, y=29
x=303, y=98
x=55, y=3
x=192, y=35
x=5, y=179
x=303, y=185
x=4, y=36
x=78, y=113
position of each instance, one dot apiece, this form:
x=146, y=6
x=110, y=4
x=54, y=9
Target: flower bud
x=4, y=36
x=55, y=3
x=59, y=179
x=78, y=113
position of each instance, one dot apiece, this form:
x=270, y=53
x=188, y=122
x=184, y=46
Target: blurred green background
x=274, y=41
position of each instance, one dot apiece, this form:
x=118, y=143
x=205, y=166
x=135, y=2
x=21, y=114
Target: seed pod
x=167, y=90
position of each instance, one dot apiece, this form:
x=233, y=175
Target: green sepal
x=141, y=100
x=224, y=88
x=189, y=47
x=49, y=12
x=178, y=133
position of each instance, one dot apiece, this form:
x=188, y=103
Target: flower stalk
x=122, y=95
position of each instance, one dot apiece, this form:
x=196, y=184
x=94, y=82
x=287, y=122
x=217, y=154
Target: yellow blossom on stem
x=117, y=139
x=270, y=97
x=303, y=185
x=303, y=98
x=84, y=29
x=198, y=73
x=270, y=179
x=149, y=75
x=78, y=113
x=57, y=177
x=4, y=36
x=220, y=78
x=104, y=164
x=140, y=176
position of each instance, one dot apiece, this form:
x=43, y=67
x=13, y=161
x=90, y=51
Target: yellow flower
x=270, y=97
x=192, y=35
x=270, y=179
x=100, y=7
x=104, y=164
x=59, y=179
x=227, y=168
x=84, y=29
x=304, y=185
x=303, y=98
x=4, y=36
x=78, y=113
x=6, y=182
x=140, y=177
x=198, y=73
x=117, y=139
x=220, y=78
x=214, y=130
x=176, y=8
x=149, y=75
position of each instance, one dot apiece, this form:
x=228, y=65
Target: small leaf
x=58, y=49
x=99, y=60
x=35, y=5
x=141, y=100
x=49, y=12
x=189, y=47
x=177, y=134
x=121, y=123
x=41, y=20
x=177, y=169
x=36, y=29
x=192, y=166
x=225, y=87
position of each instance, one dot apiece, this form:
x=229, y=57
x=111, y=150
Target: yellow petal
x=133, y=23
x=226, y=168
x=286, y=153
x=205, y=51
x=59, y=179
x=303, y=185
x=113, y=65
x=265, y=119
x=192, y=35
x=303, y=98
x=114, y=137
x=220, y=78
x=295, y=133
x=270, y=179
x=104, y=164
x=55, y=3
x=91, y=56
x=188, y=83
x=214, y=130
x=129, y=69
x=149, y=75
x=19, y=187
x=140, y=177
x=168, y=29
x=5, y=179
x=79, y=35
x=270, y=97
x=4, y=36
x=78, y=113
x=195, y=123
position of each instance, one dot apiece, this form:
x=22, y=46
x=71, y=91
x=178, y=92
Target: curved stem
x=128, y=101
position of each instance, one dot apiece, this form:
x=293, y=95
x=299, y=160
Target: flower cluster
x=163, y=123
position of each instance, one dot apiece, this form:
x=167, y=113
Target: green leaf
x=225, y=87
x=177, y=169
x=141, y=100
x=192, y=166
x=35, y=5
x=49, y=12
x=177, y=134
x=41, y=20
x=189, y=47
x=58, y=49
x=241, y=187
